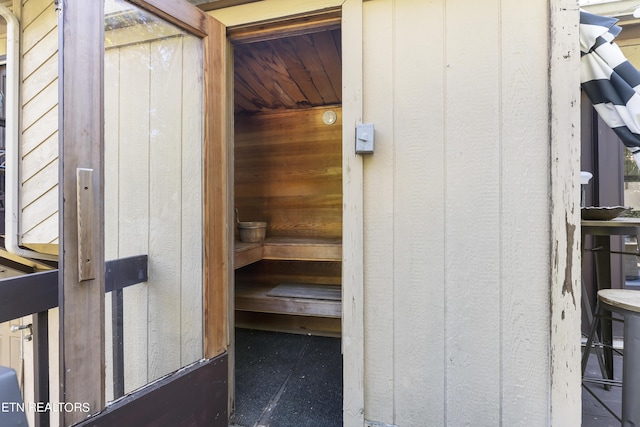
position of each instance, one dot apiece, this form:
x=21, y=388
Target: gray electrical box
x=12, y=411
x=364, y=138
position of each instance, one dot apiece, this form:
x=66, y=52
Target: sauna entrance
x=288, y=175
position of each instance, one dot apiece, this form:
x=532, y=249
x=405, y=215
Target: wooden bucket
x=253, y=231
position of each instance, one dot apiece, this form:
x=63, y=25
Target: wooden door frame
x=352, y=185
x=81, y=136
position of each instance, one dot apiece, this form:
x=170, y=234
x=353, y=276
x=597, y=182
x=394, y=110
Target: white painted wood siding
x=38, y=199
x=457, y=213
x=153, y=192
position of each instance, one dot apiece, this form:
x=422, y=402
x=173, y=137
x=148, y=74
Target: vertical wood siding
x=153, y=197
x=457, y=233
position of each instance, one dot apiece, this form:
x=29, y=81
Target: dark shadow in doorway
x=287, y=380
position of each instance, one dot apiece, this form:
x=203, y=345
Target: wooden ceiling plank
x=241, y=103
x=264, y=65
x=282, y=78
x=244, y=70
x=298, y=71
x=242, y=88
x=307, y=50
x=332, y=60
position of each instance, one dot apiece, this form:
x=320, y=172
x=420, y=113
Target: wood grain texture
x=288, y=173
x=304, y=70
x=180, y=13
x=81, y=303
x=257, y=297
x=320, y=326
x=85, y=217
x=218, y=263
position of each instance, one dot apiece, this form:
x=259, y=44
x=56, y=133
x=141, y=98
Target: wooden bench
x=289, y=307
x=287, y=248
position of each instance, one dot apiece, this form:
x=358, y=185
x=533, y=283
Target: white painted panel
x=41, y=26
x=37, y=106
x=565, y=289
x=524, y=226
x=379, y=204
x=36, y=185
x=35, y=56
x=39, y=122
x=165, y=205
x=191, y=335
x=46, y=74
x=419, y=225
x=133, y=201
x=44, y=129
x=32, y=9
x=472, y=212
x=43, y=154
x=353, y=274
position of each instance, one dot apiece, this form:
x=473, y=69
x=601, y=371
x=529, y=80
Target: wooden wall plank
x=352, y=220
x=33, y=55
x=379, y=186
x=42, y=24
x=47, y=74
x=39, y=105
x=44, y=129
x=39, y=125
x=472, y=212
x=192, y=327
x=419, y=182
x=165, y=195
x=31, y=10
x=288, y=172
x=524, y=255
x=132, y=130
x=43, y=154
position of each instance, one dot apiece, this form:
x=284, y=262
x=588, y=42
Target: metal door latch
x=16, y=328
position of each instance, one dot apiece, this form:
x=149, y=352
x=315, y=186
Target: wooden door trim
x=81, y=26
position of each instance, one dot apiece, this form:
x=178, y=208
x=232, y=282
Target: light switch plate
x=364, y=138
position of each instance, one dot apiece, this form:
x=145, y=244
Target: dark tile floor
x=287, y=380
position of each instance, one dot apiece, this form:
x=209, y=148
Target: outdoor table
x=602, y=231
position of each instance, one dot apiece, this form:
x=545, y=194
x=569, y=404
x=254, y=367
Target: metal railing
x=35, y=294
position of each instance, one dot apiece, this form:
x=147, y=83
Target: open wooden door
x=157, y=132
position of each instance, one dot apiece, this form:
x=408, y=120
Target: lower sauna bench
x=290, y=307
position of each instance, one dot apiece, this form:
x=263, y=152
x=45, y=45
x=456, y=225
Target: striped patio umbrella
x=610, y=81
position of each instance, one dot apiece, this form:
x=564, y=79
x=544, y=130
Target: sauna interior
x=288, y=173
